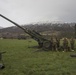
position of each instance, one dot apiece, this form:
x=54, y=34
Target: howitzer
x=43, y=43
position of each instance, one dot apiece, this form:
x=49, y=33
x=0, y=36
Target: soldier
x=65, y=44
x=54, y=44
x=72, y=42
x=51, y=43
x=58, y=43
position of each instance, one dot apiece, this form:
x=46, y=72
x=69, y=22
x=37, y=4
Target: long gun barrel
x=24, y=29
x=35, y=35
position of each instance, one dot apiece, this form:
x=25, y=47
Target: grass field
x=21, y=58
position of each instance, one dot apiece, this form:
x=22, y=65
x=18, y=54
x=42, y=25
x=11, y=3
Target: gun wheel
x=46, y=45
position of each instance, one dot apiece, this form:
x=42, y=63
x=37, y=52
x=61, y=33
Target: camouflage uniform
x=65, y=44
x=54, y=44
x=72, y=42
x=58, y=43
x=51, y=43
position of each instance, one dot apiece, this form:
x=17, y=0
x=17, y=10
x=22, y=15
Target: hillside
x=43, y=28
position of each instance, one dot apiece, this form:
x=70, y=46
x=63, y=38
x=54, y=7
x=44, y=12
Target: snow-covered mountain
x=1, y=27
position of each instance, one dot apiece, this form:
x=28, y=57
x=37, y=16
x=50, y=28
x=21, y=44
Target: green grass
x=21, y=60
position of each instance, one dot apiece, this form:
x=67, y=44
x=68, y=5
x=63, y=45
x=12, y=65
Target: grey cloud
x=26, y=11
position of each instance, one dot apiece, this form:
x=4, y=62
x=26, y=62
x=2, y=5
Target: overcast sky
x=30, y=11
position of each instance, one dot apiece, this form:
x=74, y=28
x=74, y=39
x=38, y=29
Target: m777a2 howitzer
x=43, y=43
